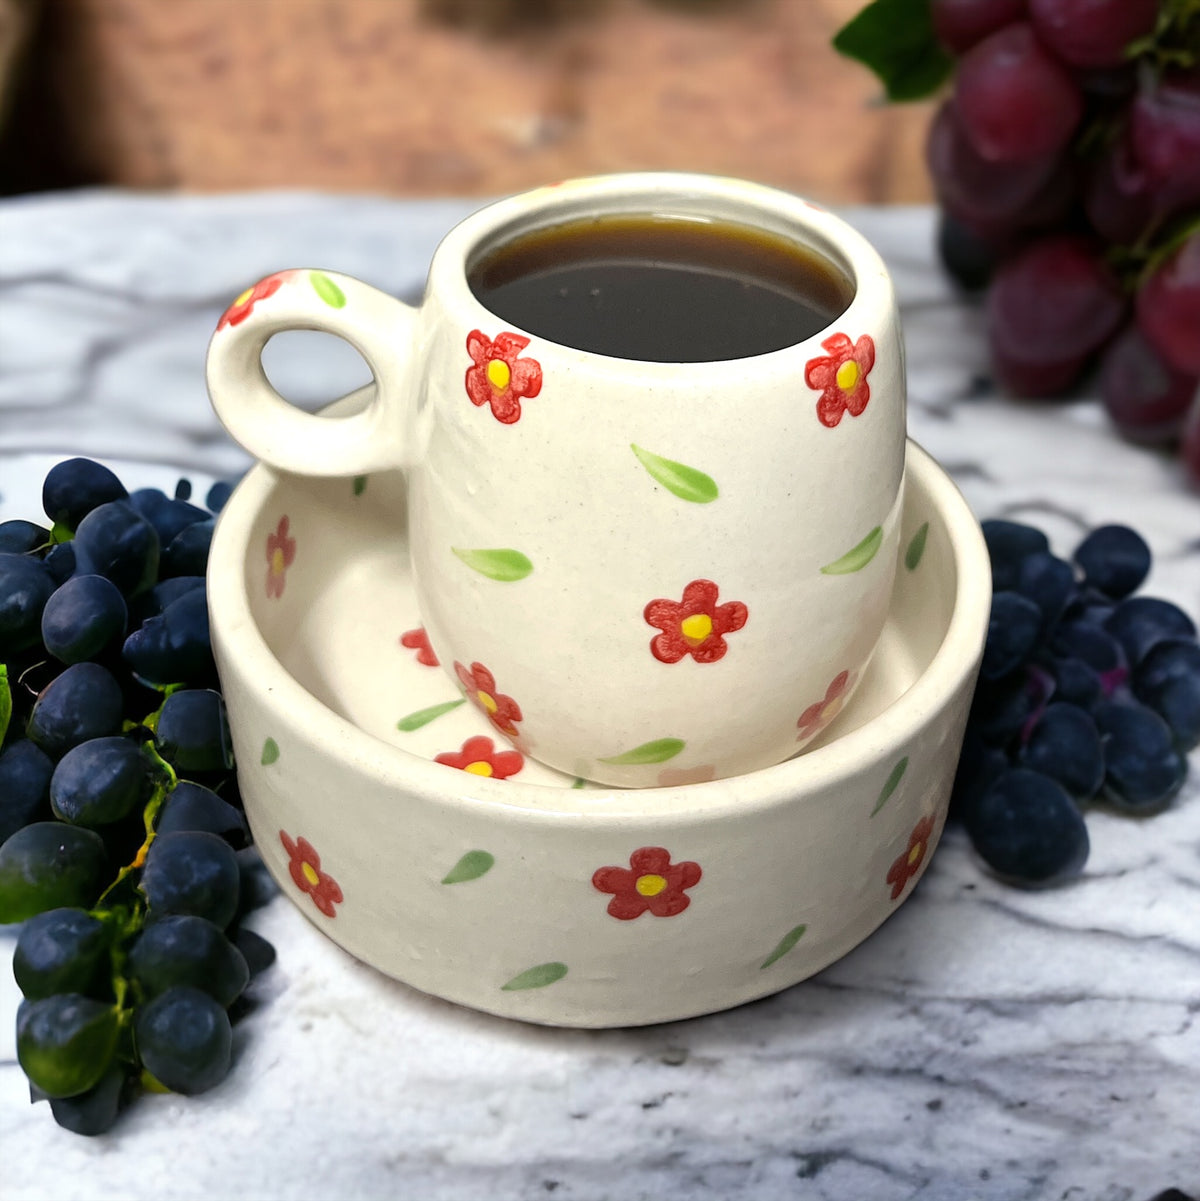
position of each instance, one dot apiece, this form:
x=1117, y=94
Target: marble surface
x=985, y=1044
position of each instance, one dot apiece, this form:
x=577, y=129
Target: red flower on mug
x=281, y=551
x=818, y=715
x=502, y=711
x=841, y=377
x=498, y=377
x=909, y=864
x=480, y=757
x=305, y=868
x=694, y=626
x=243, y=306
x=650, y=882
x=417, y=640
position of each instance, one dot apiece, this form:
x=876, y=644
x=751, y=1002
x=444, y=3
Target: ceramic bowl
x=498, y=883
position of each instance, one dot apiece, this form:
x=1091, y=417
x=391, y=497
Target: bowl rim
x=238, y=640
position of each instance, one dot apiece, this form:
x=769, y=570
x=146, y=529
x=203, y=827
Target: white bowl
x=538, y=896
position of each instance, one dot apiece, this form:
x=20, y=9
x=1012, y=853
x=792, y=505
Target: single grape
x=193, y=732
x=1092, y=33
x=191, y=806
x=1001, y=708
x=1143, y=769
x=1076, y=683
x=256, y=951
x=979, y=766
x=117, y=542
x=1095, y=646
x=1013, y=628
x=218, y=495
x=1049, y=582
x=1165, y=136
x=183, y=488
x=1115, y=560
x=183, y=1039
x=969, y=258
x=175, y=647
x=82, y=702
x=168, y=516
x=1117, y=196
x=25, y=587
x=74, y=487
x=1065, y=745
x=61, y=951
x=187, y=553
x=60, y=562
x=20, y=537
x=1009, y=543
x=101, y=781
x=959, y=24
x=50, y=865
x=84, y=618
x=25, y=771
x=1168, y=308
x=191, y=871
x=1168, y=681
x=95, y=1110
x=1139, y=622
x=1146, y=398
x=1089, y=606
x=184, y=949
x=65, y=1043
x=152, y=603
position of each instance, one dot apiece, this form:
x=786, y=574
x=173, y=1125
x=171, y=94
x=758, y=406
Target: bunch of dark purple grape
x=1066, y=160
x=122, y=840
x=1087, y=694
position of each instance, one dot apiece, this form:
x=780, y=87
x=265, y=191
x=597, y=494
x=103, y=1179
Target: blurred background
x=443, y=97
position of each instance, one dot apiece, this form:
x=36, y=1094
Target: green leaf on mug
x=536, y=977
x=503, y=564
x=658, y=751
x=786, y=943
x=686, y=482
x=859, y=557
x=327, y=290
x=916, y=548
x=470, y=867
x=422, y=717
x=270, y=752
x=890, y=785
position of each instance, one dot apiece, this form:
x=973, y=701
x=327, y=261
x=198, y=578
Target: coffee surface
x=661, y=289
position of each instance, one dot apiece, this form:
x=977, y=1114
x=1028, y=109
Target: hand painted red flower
x=281, y=552
x=650, y=882
x=694, y=626
x=818, y=715
x=502, y=711
x=908, y=865
x=841, y=377
x=305, y=869
x=498, y=377
x=243, y=306
x=417, y=640
x=480, y=757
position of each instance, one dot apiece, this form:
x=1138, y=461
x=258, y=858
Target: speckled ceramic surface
x=402, y=825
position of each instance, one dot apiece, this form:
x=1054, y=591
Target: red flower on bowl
x=695, y=625
x=498, y=377
x=480, y=757
x=841, y=377
x=281, y=551
x=908, y=865
x=305, y=869
x=818, y=715
x=651, y=883
x=243, y=306
x=502, y=711
x=417, y=640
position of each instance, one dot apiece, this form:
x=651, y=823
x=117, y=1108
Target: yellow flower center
x=696, y=628
x=831, y=709
x=916, y=854
x=650, y=886
x=481, y=767
x=487, y=701
x=244, y=296
x=278, y=563
x=847, y=375
x=310, y=874
x=498, y=374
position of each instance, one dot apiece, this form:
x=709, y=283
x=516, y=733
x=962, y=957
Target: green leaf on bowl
x=422, y=717
x=686, y=482
x=916, y=548
x=895, y=39
x=857, y=558
x=890, y=785
x=503, y=564
x=270, y=752
x=579, y=782
x=470, y=867
x=536, y=977
x=5, y=701
x=327, y=290
x=360, y=485
x=786, y=943
x=658, y=751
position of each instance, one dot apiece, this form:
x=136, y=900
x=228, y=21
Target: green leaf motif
x=890, y=785
x=327, y=290
x=422, y=717
x=503, y=564
x=658, y=751
x=859, y=557
x=536, y=977
x=916, y=548
x=786, y=943
x=470, y=867
x=360, y=485
x=270, y=752
x=5, y=701
x=895, y=39
x=685, y=482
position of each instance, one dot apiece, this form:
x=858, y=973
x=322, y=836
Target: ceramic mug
x=631, y=567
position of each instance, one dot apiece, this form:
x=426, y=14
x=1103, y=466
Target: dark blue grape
x=1065, y=745
x=218, y=495
x=1115, y=560
x=191, y=871
x=60, y=561
x=50, y=865
x=82, y=702
x=191, y=806
x=1089, y=643
x=100, y=782
x=25, y=587
x=1013, y=629
x=184, y=949
x=1141, y=621
x=1002, y=707
x=183, y=488
x=83, y=619
x=74, y=487
x=152, y=603
x=94, y=1111
x=979, y=765
x=1049, y=582
x=1076, y=683
x=117, y=542
x=1028, y=830
x=20, y=537
x=61, y=950
x=193, y=732
x=187, y=552
x=25, y=771
x=174, y=648
x=1009, y=543
x=1144, y=770
x=256, y=951
x=184, y=1040
x=1089, y=606
x=65, y=1043
x=1168, y=680
x=167, y=516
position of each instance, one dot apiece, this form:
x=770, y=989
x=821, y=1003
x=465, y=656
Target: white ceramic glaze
x=537, y=896
x=622, y=561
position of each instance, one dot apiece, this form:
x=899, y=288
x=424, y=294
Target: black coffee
x=662, y=289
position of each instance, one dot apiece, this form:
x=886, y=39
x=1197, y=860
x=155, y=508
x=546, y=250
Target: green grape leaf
x=859, y=557
x=895, y=39
x=916, y=548
x=5, y=701
x=890, y=785
x=422, y=717
x=536, y=977
x=270, y=752
x=327, y=290
x=360, y=485
x=786, y=943
x=686, y=482
x=658, y=751
x=470, y=867
x=503, y=564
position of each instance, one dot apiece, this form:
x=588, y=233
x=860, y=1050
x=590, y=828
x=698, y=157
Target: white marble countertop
x=985, y=1044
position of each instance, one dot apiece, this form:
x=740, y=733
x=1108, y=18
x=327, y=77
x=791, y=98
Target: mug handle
x=377, y=325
